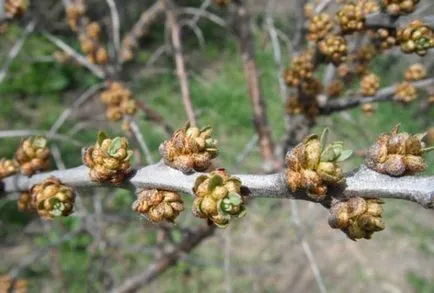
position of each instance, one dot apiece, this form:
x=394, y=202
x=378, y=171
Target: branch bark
x=383, y=95
x=180, y=63
x=363, y=182
x=247, y=48
x=377, y=20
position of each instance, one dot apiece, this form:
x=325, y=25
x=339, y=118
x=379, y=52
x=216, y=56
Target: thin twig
x=15, y=50
x=115, y=25
x=141, y=140
x=95, y=69
x=180, y=63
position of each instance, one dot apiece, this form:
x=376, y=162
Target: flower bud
x=8, y=167
x=159, y=205
x=33, y=155
x=51, y=198
x=108, y=160
x=218, y=197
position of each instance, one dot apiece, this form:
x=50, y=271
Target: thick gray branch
x=363, y=183
x=377, y=20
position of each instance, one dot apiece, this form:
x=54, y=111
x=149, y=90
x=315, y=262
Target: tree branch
x=377, y=20
x=364, y=183
x=179, y=61
x=251, y=74
x=383, y=95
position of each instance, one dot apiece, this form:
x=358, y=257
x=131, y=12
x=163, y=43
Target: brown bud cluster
x=312, y=166
x=301, y=69
x=386, y=37
x=335, y=88
x=52, y=199
x=33, y=155
x=369, y=84
x=15, y=8
x=334, y=48
x=417, y=38
x=405, y=92
x=415, y=72
x=309, y=10
x=159, y=205
x=74, y=13
x=8, y=167
x=6, y=285
x=189, y=149
x=218, y=197
x=90, y=44
x=351, y=18
x=362, y=57
x=119, y=101
x=293, y=106
x=357, y=217
x=397, y=154
x=368, y=109
x=108, y=159
x=319, y=26
x=399, y=7
x=25, y=203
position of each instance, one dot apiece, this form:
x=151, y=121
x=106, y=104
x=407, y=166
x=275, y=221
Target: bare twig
x=179, y=61
x=22, y=133
x=77, y=103
x=141, y=140
x=379, y=19
x=247, y=48
x=115, y=25
x=383, y=95
x=15, y=50
x=188, y=243
x=95, y=69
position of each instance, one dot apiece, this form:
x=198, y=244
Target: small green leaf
x=129, y=155
x=345, y=154
x=324, y=137
x=235, y=198
x=214, y=181
x=39, y=142
x=205, y=128
x=242, y=213
x=100, y=137
x=114, y=146
x=328, y=155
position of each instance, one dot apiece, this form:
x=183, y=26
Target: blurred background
x=263, y=252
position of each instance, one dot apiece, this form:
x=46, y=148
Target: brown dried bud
x=108, y=159
x=319, y=26
x=334, y=48
x=6, y=285
x=387, y=38
x=335, y=88
x=351, y=18
x=51, y=198
x=415, y=72
x=400, y=7
x=369, y=84
x=33, y=155
x=218, y=197
x=312, y=166
x=368, y=109
x=222, y=3
x=159, y=205
x=15, y=8
x=405, y=92
x=8, y=167
x=357, y=217
x=397, y=154
x=417, y=38
x=25, y=203
x=189, y=149
x=119, y=101
x=301, y=69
